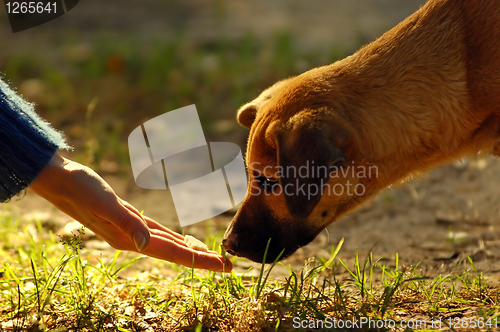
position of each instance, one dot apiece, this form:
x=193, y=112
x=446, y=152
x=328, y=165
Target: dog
x=425, y=93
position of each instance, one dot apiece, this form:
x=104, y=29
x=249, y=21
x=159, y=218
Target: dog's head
x=302, y=170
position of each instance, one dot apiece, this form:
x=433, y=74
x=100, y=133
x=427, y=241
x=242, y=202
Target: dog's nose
x=230, y=244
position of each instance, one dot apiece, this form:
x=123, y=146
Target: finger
x=159, y=229
x=167, y=249
x=175, y=238
x=111, y=234
x=168, y=235
x=165, y=246
x=152, y=224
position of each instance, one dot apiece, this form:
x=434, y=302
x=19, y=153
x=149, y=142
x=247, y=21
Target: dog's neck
x=407, y=94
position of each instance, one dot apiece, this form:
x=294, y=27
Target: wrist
x=50, y=177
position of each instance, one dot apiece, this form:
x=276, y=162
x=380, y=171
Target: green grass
x=50, y=284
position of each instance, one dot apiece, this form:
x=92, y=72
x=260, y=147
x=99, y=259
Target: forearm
x=60, y=180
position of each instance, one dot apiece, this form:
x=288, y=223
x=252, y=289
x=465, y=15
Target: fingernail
x=139, y=240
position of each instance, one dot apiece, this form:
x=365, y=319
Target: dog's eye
x=265, y=181
x=268, y=183
x=271, y=180
x=338, y=163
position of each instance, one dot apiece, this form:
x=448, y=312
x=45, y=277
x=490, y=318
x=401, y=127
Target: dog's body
x=425, y=93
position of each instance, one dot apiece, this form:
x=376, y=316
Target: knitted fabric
x=27, y=143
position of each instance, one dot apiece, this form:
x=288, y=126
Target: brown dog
x=425, y=93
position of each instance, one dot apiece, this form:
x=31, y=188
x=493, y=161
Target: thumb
x=129, y=220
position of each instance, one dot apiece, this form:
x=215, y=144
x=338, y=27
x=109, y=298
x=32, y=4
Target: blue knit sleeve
x=27, y=143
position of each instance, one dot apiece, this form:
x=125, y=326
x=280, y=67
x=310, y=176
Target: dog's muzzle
x=230, y=246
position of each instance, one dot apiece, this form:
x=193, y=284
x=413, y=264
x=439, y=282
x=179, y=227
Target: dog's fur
x=425, y=93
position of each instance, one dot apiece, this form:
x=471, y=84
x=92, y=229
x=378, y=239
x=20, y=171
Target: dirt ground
x=437, y=220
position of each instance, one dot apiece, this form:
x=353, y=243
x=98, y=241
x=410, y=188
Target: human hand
x=82, y=194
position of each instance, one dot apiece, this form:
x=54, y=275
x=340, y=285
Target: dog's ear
x=306, y=153
x=248, y=112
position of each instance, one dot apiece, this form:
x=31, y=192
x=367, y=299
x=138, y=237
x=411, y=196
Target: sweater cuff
x=27, y=143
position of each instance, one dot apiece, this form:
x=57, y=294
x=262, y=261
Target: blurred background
x=131, y=61
x=104, y=68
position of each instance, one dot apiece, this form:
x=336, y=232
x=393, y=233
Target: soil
x=437, y=221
